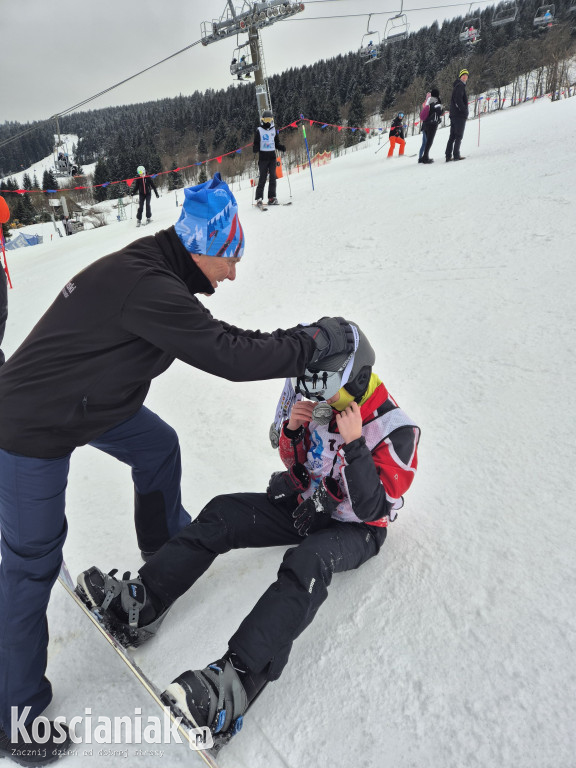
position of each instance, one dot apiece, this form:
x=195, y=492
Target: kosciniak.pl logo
x=127, y=729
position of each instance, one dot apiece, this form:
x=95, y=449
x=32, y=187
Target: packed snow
x=456, y=646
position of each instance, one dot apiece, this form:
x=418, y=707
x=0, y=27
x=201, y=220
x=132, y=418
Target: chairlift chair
x=62, y=164
x=470, y=33
x=506, y=14
x=370, y=46
x=397, y=27
x=242, y=62
x=545, y=17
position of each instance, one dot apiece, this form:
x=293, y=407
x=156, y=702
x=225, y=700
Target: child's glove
x=284, y=485
x=315, y=512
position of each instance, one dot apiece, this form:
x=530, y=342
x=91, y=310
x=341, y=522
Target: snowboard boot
x=260, y=202
x=213, y=697
x=148, y=221
x=459, y=158
x=448, y=159
x=273, y=201
x=138, y=223
x=36, y=753
x=131, y=612
x=427, y=160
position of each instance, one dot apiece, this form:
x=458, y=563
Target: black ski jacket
x=459, y=100
x=397, y=128
x=435, y=113
x=88, y=363
x=144, y=186
x=264, y=154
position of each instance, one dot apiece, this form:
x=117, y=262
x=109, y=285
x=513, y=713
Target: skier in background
x=81, y=377
x=423, y=115
x=144, y=184
x=431, y=123
x=397, y=135
x=458, y=117
x=346, y=472
x=266, y=142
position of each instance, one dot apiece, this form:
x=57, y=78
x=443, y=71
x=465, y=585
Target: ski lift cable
x=95, y=96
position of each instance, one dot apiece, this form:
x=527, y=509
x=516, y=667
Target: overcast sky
x=56, y=54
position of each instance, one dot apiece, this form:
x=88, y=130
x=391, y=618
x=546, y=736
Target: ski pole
x=308, y=153
x=479, y=113
x=383, y=145
x=289, y=185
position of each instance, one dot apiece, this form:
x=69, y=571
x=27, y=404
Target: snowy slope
x=456, y=646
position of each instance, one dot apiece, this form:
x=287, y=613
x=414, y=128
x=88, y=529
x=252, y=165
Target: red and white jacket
x=373, y=472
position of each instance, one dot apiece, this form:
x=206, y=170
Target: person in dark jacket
x=3, y=307
x=431, y=124
x=4, y=218
x=346, y=471
x=458, y=117
x=397, y=135
x=266, y=142
x=144, y=186
x=81, y=377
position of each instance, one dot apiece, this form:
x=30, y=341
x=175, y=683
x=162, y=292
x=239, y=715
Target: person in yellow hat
x=458, y=117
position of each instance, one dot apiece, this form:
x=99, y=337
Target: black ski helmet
x=323, y=380
x=267, y=119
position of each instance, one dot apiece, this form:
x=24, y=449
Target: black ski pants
x=288, y=606
x=266, y=166
x=430, y=131
x=141, y=200
x=457, y=126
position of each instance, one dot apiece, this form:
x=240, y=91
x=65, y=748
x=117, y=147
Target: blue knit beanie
x=209, y=222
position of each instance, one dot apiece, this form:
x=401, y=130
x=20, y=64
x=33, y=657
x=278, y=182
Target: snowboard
x=185, y=729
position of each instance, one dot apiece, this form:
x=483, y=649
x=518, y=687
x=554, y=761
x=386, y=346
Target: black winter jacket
x=435, y=113
x=88, y=363
x=459, y=100
x=144, y=186
x=397, y=128
x=277, y=144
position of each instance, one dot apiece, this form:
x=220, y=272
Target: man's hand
x=350, y=423
x=332, y=336
x=300, y=414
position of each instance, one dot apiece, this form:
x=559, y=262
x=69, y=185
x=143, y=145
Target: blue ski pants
x=33, y=530
x=422, y=146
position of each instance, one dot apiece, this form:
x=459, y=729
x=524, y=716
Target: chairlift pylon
x=397, y=27
x=505, y=14
x=470, y=34
x=370, y=46
x=545, y=17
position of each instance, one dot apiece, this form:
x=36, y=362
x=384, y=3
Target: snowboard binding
x=124, y=607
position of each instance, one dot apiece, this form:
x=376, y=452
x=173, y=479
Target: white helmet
x=141, y=171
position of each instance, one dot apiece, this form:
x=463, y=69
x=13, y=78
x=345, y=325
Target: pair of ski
x=188, y=730
x=263, y=207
